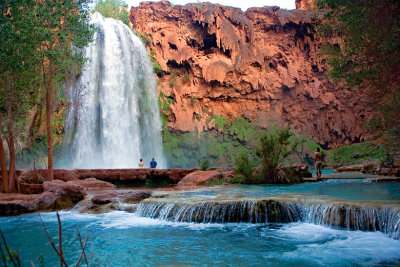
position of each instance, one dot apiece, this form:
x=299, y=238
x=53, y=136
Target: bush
x=244, y=169
x=186, y=78
x=238, y=179
x=273, y=149
x=204, y=165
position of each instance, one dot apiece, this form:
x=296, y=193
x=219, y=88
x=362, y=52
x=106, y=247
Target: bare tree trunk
x=48, y=123
x=4, y=173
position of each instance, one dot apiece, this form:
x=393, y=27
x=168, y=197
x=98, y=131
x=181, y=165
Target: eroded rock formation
x=261, y=64
x=305, y=4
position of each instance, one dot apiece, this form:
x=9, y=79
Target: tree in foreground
x=18, y=78
x=273, y=149
x=364, y=52
x=62, y=26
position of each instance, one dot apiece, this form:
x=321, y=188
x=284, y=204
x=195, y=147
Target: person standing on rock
x=141, y=164
x=153, y=163
x=318, y=163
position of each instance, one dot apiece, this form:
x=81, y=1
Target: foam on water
x=323, y=245
x=145, y=241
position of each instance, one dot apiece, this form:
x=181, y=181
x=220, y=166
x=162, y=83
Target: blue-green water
x=355, y=189
x=124, y=239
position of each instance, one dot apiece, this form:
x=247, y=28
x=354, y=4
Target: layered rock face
x=305, y=4
x=262, y=64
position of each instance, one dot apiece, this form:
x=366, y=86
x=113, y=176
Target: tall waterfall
x=118, y=121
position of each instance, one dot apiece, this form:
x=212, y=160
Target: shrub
x=244, y=168
x=238, y=179
x=204, y=165
x=273, y=149
x=193, y=100
x=186, y=78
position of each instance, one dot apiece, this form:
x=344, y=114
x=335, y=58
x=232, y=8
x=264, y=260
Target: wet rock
x=57, y=195
x=348, y=169
x=199, y=177
x=92, y=184
x=12, y=208
x=369, y=168
x=126, y=197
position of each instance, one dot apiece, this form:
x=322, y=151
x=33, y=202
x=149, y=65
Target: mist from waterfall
x=118, y=121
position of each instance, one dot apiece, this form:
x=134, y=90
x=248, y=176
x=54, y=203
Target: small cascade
x=352, y=217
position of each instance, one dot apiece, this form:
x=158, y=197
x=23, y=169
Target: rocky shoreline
x=103, y=190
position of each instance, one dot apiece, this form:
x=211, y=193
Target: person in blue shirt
x=153, y=163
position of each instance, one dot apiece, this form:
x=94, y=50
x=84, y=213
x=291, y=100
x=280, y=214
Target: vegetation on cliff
x=364, y=52
x=116, y=9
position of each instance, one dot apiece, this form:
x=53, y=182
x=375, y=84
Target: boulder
x=369, y=168
x=199, y=177
x=348, y=169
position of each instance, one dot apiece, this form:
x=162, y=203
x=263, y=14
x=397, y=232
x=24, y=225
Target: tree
x=18, y=83
x=115, y=9
x=244, y=169
x=363, y=51
x=274, y=147
x=63, y=26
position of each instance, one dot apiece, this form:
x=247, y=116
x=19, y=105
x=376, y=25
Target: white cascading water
x=118, y=121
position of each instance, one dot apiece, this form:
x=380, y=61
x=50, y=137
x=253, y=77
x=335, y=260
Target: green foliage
x=366, y=55
x=156, y=66
x=186, y=77
x=356, y=154
x=113, y=9
x=172, y=80
x=164, y=105
x=219, y=121
x=145, y=38
x=273, y=148
x=185, y=150
x=36, y=49
x=244, y=169
x=204, y=165
x=193, y=100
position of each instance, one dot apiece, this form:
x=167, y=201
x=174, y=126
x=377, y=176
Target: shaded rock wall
x=261, y=64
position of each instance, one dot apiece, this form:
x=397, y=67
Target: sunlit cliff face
x=263, y=64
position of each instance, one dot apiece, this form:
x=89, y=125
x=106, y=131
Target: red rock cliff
x=305, y=4
x=260, y=64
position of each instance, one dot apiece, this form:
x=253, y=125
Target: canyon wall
x=263, y=64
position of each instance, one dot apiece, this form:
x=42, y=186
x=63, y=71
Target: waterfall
x=349, y=216
x=116, y=121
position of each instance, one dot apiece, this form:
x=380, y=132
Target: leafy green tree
x=363, y=50
x=244, y=169
x=116, y=9
x=274, y=147
x=62, y=26
x=18, y=77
